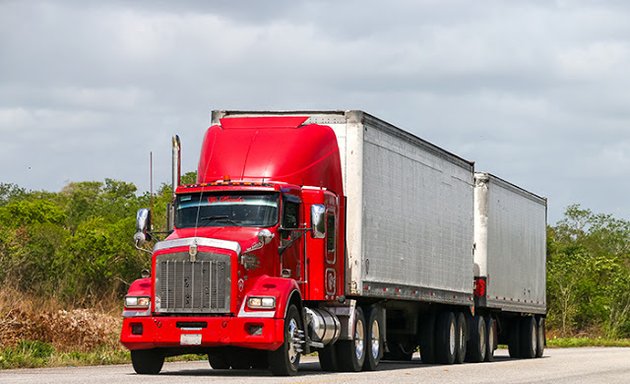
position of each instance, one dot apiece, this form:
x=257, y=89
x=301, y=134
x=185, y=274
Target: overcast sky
x=536, y=92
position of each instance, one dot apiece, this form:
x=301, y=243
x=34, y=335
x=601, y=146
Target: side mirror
x=318, y=223
x=143, y=225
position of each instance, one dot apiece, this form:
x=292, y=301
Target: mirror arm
x=139, y=248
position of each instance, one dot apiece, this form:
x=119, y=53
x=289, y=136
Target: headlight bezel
x=261, y=302
x=137, y=302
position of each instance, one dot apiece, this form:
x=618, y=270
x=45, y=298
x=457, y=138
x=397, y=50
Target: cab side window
x=290, y=218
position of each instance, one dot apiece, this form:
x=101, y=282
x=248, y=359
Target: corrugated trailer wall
x=511, y=245
x=416, y=215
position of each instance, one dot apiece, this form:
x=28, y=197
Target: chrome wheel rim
x=294, y=341
x=359, y=340
x=451, y=341
x=376, y=339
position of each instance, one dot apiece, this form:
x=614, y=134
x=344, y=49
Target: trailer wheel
x=218, y=361
x=351, y=353
x=285, y=360
x=461, y=338
x=446, y=338
x=374, y=350
x=529, y=339
x=491, y=332
x=328, y=358
x=540, y=332
x=514, y=341
x=476, y=348
x=147, y=361
x=427, y=339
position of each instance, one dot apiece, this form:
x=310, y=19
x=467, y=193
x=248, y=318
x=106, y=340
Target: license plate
x=190, y=339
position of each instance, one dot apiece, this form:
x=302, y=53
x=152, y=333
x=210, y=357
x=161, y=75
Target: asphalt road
x=559, y=366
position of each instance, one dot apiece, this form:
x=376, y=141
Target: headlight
x=261, y=302
x=141, y=302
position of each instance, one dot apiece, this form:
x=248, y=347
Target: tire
x=461, y=338
x=540, y=332
x=351, y=353
x=514, y=341
x=218, y=361
x=492, y=338
x=445, y=340
x=147, y=361
x=328, y=358
x=476, y=347
x=427, y=339
x=285, y=360
x=374, y=340
x=529, y=338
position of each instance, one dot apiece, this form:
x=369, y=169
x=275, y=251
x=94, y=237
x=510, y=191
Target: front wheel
x=147, y=361
x=351, y=353
x=285, y=360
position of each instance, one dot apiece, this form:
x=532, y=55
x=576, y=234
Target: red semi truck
x=335, y=232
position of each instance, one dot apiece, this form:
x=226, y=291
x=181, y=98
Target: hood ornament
x=192, y=251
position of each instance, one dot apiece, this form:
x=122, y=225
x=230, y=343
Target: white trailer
x=510, y=246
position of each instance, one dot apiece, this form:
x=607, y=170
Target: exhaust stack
x=176, y=177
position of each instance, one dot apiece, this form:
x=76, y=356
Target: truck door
x=291, y=239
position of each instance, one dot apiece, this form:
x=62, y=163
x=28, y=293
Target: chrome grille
x=184, y=286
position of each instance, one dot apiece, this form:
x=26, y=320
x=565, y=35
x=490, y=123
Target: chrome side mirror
x=143, y=225
x=318, y=222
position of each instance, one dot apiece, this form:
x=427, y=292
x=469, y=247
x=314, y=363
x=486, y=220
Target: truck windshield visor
x=226, y=209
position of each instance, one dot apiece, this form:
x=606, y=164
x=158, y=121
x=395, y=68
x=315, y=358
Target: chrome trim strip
x=203, y=241
x=128, y=313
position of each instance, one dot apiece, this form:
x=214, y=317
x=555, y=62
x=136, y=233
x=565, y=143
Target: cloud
x=533, y=91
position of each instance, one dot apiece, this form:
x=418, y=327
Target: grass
x=574, y=342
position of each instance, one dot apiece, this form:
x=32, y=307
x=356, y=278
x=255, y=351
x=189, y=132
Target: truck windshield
x=226, y=209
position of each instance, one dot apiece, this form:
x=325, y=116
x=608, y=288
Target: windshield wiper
x=218, y=218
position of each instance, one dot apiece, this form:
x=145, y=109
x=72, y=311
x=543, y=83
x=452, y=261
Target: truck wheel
x=328, y=358
x=374, y=350
x=427, y=339
x=540, y=345
x=529, y=339
x=491, y=331
x=514, y=341
x=218, y=361
x=351, y=353
x=476, y=348
x=285, y=360
x=446, y=338
x=147, y=361
x=461, y=338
